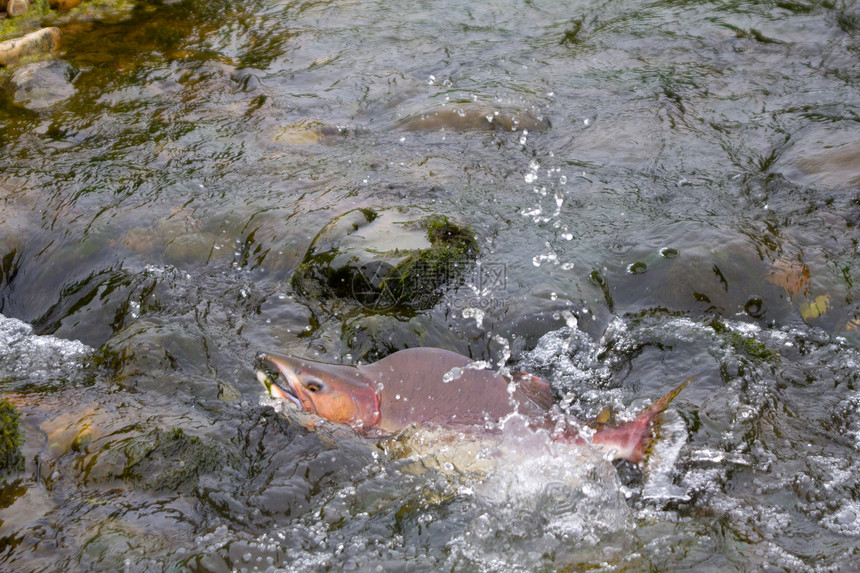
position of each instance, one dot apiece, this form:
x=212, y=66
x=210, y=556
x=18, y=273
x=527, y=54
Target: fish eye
x=314, y=385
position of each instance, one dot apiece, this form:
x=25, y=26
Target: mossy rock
x=386, y=259
x=10, y=439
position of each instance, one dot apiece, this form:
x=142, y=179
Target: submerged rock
x=37, y=43
x=385, y=259
x=312, y=132
x=473, y=117
x=43, y=84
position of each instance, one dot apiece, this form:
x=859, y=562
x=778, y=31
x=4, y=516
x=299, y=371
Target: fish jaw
x=337, y=393
x=275, y=391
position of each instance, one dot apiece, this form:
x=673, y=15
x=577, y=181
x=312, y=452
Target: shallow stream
x=658, y=189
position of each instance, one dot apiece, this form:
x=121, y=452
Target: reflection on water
x=658, y=190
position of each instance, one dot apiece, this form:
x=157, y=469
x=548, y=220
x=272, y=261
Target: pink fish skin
x=434, y=386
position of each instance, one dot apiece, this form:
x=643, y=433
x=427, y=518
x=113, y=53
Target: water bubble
x=669, y=253
x=431, y=80
x=531, y=177
x=563, y=179
x=637, y=268
x=539, y=259
x=755, y=307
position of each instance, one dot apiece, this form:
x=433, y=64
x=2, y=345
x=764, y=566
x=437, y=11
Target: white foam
x=30, y=358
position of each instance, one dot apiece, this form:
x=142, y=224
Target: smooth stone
x=64, y=4
x=42, y=41
x=17, y=7
x=42, y=84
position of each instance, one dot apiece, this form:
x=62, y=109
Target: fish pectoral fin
x=534, y=388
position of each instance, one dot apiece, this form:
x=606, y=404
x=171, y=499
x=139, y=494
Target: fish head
x=337, y=393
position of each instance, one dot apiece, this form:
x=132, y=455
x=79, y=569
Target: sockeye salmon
x=431, y=386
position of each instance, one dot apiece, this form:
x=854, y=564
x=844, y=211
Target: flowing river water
x=659, y=189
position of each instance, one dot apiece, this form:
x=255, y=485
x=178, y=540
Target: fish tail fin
x=634, y=440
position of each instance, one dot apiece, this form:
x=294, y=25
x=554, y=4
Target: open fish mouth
x=276, y=381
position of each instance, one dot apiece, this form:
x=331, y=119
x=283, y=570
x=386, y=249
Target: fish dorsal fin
x=535, y=389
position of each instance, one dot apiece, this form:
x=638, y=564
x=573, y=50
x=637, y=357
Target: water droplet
x=475, y=313
x=563, y=179
x=452, y=374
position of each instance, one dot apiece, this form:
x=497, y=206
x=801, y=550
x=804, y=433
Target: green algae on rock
x=10, y=439
x=385, y=259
